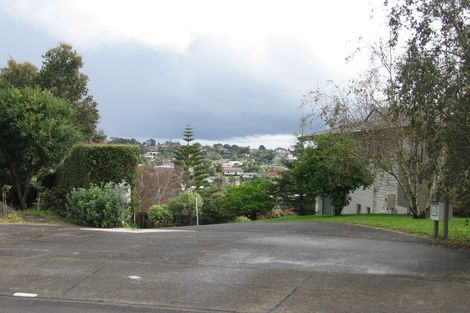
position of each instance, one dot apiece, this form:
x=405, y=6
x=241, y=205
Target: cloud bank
x=228, y=68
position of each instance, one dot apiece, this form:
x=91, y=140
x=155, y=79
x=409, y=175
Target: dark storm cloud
x=23, y=42
x=146, y=93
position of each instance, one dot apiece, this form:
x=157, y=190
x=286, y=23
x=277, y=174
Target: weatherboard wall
x=376, y=197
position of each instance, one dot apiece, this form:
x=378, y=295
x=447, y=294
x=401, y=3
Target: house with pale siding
x=233, y=171
x=384, y=196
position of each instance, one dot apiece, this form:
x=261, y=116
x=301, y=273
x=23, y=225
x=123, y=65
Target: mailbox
x=437, y=211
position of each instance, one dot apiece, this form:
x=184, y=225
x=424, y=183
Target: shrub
x=160, y=216
x=99, y=206
x=250, y=199
x=183, y=207
x=241, y=219
x=12, y=218
x=214, y=211
x=55, y=199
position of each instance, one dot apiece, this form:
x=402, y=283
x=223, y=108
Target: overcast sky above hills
x=228, y=68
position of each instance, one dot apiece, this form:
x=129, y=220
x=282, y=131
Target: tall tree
x=190, y=160
x=330, y=168
x=36, y=131
x=411, y=110
x=61, y=75
x=433, y=82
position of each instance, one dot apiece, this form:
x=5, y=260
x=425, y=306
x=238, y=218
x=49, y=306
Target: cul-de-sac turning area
x=249, y=267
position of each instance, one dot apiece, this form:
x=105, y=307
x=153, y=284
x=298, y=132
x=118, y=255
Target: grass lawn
x=458, y=230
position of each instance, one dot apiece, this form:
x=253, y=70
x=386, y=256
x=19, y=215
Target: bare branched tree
x=155, y=186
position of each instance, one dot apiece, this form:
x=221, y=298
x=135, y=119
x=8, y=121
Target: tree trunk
x=416, y=213
x=22, y=190
x=301, y=205
x=337, y=210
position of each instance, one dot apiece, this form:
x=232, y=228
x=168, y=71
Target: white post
x=197, y=214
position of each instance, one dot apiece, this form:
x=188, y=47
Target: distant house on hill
x=232, y=164
x=250, y=175
x=281, y=152
x=151, y=155
x=233, y=171
x=273, y=174
x=165, y=164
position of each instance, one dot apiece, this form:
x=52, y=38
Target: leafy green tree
x=330, y=167
x=250, y=199
x=190, y=160
x=60, y=74
x=411, y=110
x=36, y=131
x=18, y=75
x=432, y=85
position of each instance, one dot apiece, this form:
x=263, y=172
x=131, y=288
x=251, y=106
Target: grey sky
x=227, y=76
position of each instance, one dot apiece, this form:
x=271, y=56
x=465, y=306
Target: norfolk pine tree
x=190, y=160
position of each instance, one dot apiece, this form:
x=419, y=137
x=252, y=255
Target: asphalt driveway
x=288, y=267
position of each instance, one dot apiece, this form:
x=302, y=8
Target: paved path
x=288, y=267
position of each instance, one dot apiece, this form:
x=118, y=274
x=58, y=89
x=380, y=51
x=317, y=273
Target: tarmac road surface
x=249, y=267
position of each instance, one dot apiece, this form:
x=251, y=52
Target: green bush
x=55, y=199
x=160, y=216
x=86, y=165
x=250, y=199
x=99, y=206
x=183, y=207
x=214, y=211
x=97, y=164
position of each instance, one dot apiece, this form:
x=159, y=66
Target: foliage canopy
x=36, y=131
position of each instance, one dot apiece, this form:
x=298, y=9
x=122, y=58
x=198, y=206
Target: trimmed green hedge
x=89, y=164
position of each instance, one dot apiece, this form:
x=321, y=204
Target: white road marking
x=25, y=295
x=134, y=277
